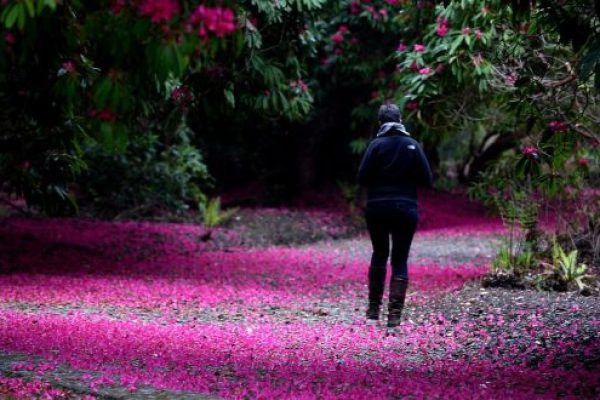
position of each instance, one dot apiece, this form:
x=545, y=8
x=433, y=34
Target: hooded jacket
x=393, y=166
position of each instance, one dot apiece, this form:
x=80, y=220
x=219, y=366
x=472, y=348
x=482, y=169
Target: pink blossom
x=102, y=115
x=583, y=161
x=412, y=105
x=10, y=39
x=425, y=71
x=337, y=38
x=299, y=84
x=402, y=47
x=419, y=48
x=343, y=29
x=558, y=126
x=117, y=6
x=159, y=10
x=182, y=96
x=355, y=8
x=442, y=30
x=478, y=34
x=530, y=151
x=69, y=67
x=219, y=20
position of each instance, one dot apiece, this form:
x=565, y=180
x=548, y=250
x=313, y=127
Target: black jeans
x=398, y=219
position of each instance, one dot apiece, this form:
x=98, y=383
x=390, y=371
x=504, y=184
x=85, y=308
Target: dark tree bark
x=491, y=148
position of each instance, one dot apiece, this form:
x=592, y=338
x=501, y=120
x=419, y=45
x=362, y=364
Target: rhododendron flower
x=557, y=126
x=355, y=8
x=419, y=48
x=402, y=47
x=69, y=67
x=337, y=38
x=583, y=161
x=442, y=29
x=466, y=30
x=439, y=68
x=219, y=20
x=477, y=60
x=412, y=105
x=343, y=29
x=530, y=151
x=425, y=71
x=159, y=10
x=182, y=96
x=414, y=66
x=478, y=34
x=10, y=38
x=102, y=115
x=383, y=12
x=299, y=84
x=117, y=6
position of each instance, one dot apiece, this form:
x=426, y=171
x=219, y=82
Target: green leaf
x=230, y=97
x=51, y=4
x=102, y=92
x=457, y=42
x=40, y=6
x=22, y=17
x=12, y=16
x=30, y=8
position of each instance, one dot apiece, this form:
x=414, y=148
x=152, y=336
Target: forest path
x=154, y=311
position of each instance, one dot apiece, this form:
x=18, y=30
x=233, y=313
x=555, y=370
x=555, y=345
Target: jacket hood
x=391, y=128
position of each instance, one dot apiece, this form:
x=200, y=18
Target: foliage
x=513, y=261
x=567, y=267
x=352, y=196
x=478, y=81
x=150, y=176
x=102, y=75
x=212, y=214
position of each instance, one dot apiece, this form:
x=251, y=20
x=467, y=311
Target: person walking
x=392, y=168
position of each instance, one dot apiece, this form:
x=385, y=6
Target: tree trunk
x=491, y=148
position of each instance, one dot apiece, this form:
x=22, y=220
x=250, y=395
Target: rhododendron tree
x=81, y=82
x=476, y=79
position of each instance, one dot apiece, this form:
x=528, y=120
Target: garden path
x=150, y=310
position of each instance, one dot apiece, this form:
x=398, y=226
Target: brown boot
x=398, y=288
x=376, y=286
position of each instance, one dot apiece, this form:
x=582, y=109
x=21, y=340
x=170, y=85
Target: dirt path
x=238, y=322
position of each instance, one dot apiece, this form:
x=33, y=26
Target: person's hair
x=388, y=113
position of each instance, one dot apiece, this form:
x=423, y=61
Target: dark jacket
x=393, y=166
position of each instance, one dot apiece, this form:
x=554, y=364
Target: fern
x=212, y=214
x=566, y=266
